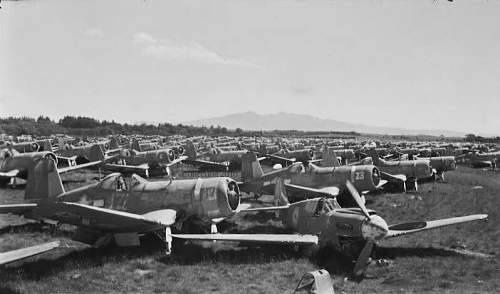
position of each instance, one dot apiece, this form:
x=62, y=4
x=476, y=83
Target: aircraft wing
x=113, y=220
x=327, y=191
x=123, y=167
x=208, y=163
x=10, y=174
x=75, y=167
x=15, y=255
x=267, y=208
x=393, y=178
x=257, y=238
x=113, y=151
x=413, y=227
x=16, y=208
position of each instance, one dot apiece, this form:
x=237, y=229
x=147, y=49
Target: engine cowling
x=217, y=197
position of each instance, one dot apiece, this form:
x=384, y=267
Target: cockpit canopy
x=321, y=206
x=114, y=182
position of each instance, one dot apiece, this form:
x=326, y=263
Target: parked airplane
x=321, y=222
x=214, y=158
x=19, y=165
x=132, y=161
x=120, y=210
x=400, y=170
x=480, y=160
x=314, y=180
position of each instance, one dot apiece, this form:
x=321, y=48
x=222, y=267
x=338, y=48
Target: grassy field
x=416, y=263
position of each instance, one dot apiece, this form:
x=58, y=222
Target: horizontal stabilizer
x=413, y=227
x=16, y=255
x=258, y=238
x=10, y=174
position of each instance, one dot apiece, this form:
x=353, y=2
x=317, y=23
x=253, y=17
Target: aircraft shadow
x=52, y=263
x=394, y=252
x=6, y=290
x=35, y=227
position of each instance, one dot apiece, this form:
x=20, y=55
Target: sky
x=413, y=64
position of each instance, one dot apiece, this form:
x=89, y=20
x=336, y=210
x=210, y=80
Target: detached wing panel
x=413, y=227
x=16, y=255
x=257, y=238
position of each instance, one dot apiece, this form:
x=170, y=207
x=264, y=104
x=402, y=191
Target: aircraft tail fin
x=374, y=155
x=329, y=158
x=190, y=150
x=44, y=181
x=113, y=143
x=96, y=153
x=263, y=148
x=135, y=145
x=46, y=145
x=250, y=167
x=280, y=198
x=60, y=143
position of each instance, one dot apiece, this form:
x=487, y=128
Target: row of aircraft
x=318, y=195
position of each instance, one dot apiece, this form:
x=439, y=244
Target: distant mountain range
x=291, y=121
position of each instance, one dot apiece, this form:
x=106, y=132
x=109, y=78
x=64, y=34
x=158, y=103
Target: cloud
x=93, y=32
x=170, y=50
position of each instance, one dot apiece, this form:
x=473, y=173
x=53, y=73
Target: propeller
x=372, y=229
x=376, y=176
x=171, y=155
x=362, y=261
x=233, y=195
x=357, y=198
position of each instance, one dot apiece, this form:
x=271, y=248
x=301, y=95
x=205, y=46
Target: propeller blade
x=357, y=198
x=362, y=261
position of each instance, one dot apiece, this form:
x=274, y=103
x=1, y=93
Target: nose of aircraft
x=374, y=228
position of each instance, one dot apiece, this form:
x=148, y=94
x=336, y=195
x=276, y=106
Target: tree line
x=87, y=126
